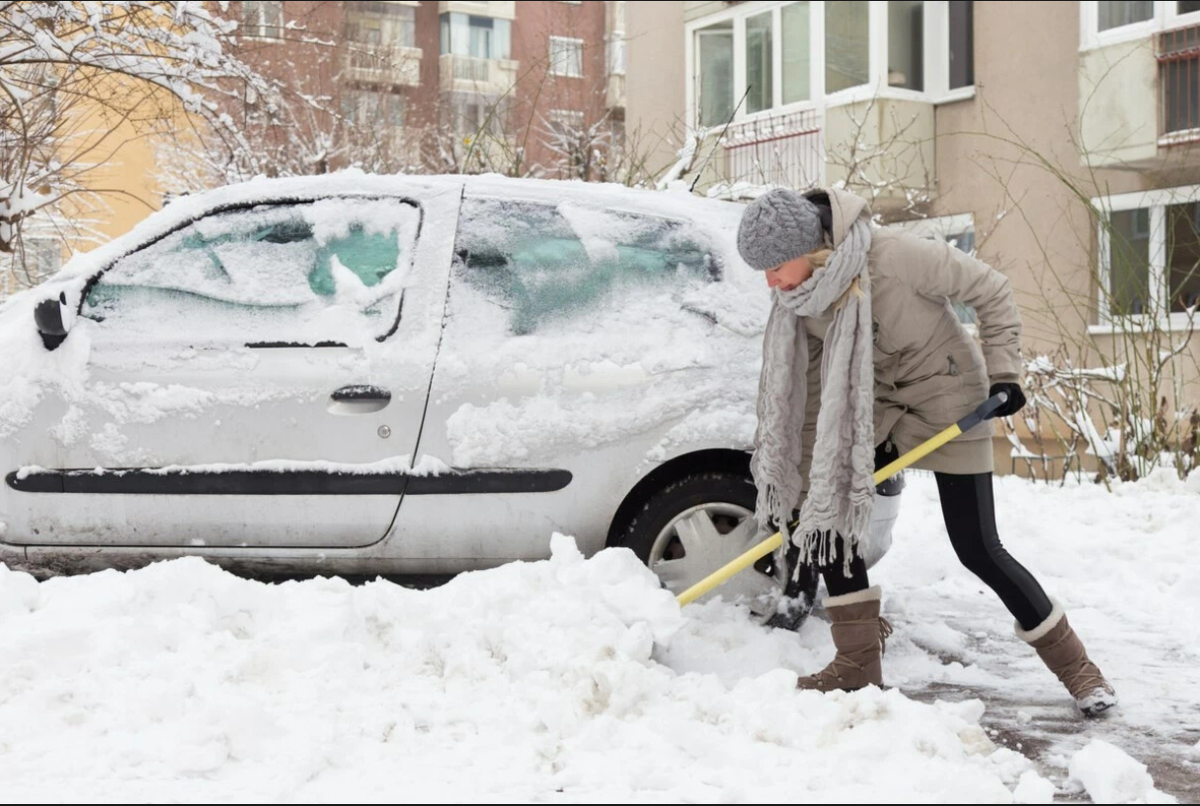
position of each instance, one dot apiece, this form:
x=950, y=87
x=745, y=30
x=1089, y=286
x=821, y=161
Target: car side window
x=545, y=262
x=322, y=272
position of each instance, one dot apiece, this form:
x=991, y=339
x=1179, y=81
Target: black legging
x=970, y=515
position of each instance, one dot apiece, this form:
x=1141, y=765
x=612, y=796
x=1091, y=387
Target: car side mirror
x=53, y=320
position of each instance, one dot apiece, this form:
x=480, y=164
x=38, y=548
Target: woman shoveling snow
x=863, y=350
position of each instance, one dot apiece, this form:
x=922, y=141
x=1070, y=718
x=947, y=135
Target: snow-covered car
x=400, y=375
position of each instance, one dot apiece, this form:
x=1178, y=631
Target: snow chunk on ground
x=1109, y=775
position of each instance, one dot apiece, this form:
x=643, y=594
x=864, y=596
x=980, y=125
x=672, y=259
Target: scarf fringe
x=817, y=545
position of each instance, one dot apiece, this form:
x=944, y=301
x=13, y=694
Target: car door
x=569, y=347
x=256, y=378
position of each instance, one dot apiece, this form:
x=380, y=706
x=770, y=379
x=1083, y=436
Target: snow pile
x=1109, y=775
x=542, y=680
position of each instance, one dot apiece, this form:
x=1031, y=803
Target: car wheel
x=695, y=525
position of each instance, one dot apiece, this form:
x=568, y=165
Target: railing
x=781, y=150
x=1179, y=85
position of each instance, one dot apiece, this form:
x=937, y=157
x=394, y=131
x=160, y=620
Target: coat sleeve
x=937, y=270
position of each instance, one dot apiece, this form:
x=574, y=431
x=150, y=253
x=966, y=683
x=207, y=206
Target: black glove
x=1015, y=402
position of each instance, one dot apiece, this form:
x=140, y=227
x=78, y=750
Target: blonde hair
x=819, y=259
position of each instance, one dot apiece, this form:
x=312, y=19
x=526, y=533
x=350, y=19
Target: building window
x=566, y=56
x=714, y=84
x=43, y=256
x=478, y=37
x=1119, y=14
x=797, y=53
x=381, y=24
x=1108, y=23
x=475, y=113
x=263, y=18
x=847, y=45
x=616, y=54
x=369, y=108
x=1150, y=255
x=759, y=63
x=910, y=49
x=1183, y=257
x=1178, y=74
x=960, y=46
x=1129, y=262
x=906, y=47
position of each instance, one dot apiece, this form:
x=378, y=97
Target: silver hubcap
x=700, y=540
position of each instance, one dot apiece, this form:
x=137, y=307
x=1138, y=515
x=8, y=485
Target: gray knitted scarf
x=841, y=489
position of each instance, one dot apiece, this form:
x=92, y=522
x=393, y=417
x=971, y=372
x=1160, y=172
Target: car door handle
x=362, y=394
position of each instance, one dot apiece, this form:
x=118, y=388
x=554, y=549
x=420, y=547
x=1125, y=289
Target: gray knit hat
x=778, y=226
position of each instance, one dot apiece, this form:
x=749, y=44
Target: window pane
x=1183, y=255
x=759, y=63
x=715, y=85
x=300, y=273
x=459, y=32
x=906, y=51
x=797, y=67
x=566, y=56
x=962, y=44
x=1177, y=92
x=43, y=256
x=616, y=56
x=1129, y=268
x=1114, y=15
x=847, y=63
x=407, y=26
x=539, y=263
x=501, y=39
x=481, y=37
x=1187, y=7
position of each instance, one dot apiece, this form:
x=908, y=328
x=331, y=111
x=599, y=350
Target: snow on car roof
x=356, y=182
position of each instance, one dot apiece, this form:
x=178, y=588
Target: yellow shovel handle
x=723, y=574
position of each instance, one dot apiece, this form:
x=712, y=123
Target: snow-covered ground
x=580, y=680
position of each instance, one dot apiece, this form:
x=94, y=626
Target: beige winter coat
x=929, y=371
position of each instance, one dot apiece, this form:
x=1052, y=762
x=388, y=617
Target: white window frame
x=555, y=69
x=936, y=58
x=261, y=26
x=1157, y=202
x=1165, y=18
x=937, y=66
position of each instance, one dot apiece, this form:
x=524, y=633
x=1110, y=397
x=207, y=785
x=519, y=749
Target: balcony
x=472, y=74
x=1178, y=55
x=886, y=147
x=780, y=150
x=396, y=67
x=1138, y=102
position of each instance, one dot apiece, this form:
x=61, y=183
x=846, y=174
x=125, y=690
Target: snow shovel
x=985, y=411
